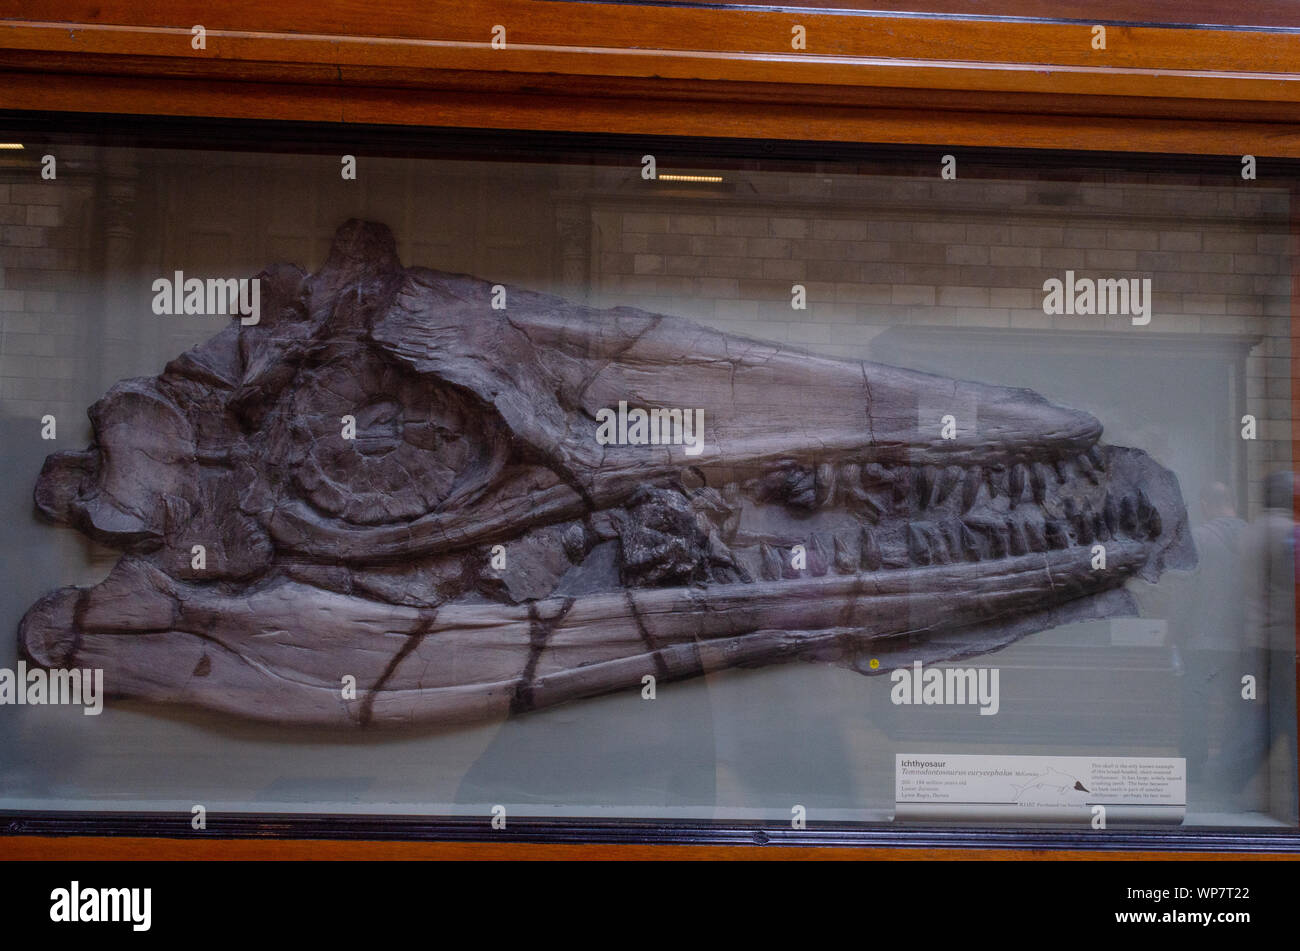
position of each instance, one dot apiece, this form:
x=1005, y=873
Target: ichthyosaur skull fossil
x=474, y=549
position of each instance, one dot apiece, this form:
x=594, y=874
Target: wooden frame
x=670, y=69
x=666, y=69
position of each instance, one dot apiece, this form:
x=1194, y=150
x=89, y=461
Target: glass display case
x=445, y=483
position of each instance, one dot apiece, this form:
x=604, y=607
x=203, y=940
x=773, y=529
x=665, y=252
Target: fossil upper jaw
x=370, y=558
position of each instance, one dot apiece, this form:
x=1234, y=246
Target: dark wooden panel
x=389, y=106
x=618, y=68
x=35, y=848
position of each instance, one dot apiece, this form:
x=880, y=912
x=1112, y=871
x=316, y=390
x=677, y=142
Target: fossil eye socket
x=379, y=427
x=376, y=444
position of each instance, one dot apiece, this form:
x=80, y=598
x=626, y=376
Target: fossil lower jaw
x=283, y=652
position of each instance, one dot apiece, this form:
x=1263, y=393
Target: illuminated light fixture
x=666, y=177
x=11, y=145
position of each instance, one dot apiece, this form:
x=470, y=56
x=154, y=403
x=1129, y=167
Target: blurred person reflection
x=1269, y=548
x=1212, y=637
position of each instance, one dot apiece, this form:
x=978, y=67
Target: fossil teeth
x=793, y=485
x=995, y=532
x=1038, y=481
x=789, y=484
x=1152, y=523
x=875, y=475
x=1062, y=474
x=1057, y=537
x=1144, y=506
x=859, y=489
x=726, y=565
x=1083, y=525
x=903, y=484
x=998, y=541
x=950, y=478
x=869, y=550
x=825, y=483
x=743, y=573
x=1071, y=508
x=1088, y=469
x=924, y=485
x=952, y=539
x=1017, y=483
x=843, y=557
x=772, y=565
x=938, y=546
x=995, y=479
x=941, y=487
x=800, y=487
x=970, y=489
x=1128, y=514
x=1099, y=528
x=574, y=541
x=1019, y=544
x=849, y=482
x=1096, y=458
x=970, y=544
x=918, y=544
x=1110, y=512
x=1034, y=535
x=819, y=560
x=731, y=496
x=869, y=506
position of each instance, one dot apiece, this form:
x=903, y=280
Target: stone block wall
x=875, y=253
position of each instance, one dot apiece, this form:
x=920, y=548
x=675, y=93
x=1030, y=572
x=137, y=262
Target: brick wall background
x=876, y=253
x=889, y=253
x=47, y=271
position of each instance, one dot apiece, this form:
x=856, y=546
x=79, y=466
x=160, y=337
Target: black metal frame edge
x=628, y=832
x=274, y=136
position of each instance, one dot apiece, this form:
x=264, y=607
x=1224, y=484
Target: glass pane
x=953, y=460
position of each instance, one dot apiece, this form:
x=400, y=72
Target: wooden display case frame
x=1009, y=75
